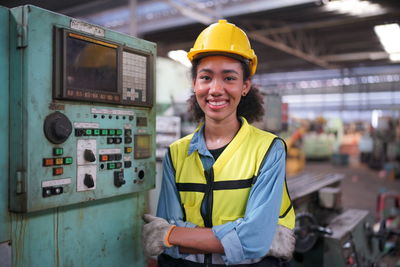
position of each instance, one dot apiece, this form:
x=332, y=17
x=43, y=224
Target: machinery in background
x=79, y=153
x=327, y=235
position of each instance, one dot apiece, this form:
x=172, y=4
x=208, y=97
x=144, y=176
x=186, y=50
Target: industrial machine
x=327, y=235
x=77, y=141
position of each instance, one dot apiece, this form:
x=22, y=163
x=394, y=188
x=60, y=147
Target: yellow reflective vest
x=225, y=188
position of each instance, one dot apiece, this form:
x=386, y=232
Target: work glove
x=155, y=234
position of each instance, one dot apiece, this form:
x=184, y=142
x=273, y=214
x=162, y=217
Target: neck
x=219, y=133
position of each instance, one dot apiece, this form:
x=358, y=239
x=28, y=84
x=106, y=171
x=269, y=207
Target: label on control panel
x=57, y=182
x=112, y=111
x=86, y=125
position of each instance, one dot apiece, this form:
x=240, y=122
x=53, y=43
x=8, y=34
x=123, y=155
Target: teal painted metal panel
x=4, y=215
x=33, y=97
x=103, y=234
x=81, y=226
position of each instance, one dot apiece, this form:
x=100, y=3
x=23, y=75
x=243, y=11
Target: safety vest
x=225, y=188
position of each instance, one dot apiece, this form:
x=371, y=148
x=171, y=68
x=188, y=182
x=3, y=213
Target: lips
x=217, y=104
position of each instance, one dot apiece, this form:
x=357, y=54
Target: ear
x=193, y=84
x=246, y=87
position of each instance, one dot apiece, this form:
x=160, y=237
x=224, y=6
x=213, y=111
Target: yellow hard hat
x=224, y=37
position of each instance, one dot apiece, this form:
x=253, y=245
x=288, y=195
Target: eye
x=205, y=77
x=230, y=78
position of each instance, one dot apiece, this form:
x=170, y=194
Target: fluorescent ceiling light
x=180, y=56
x=394, y=57
x=389, y=36
x=359, y=8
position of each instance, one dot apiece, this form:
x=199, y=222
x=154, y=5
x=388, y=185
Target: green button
x=111, y=132
x=88, y=132
x=57, y=151
x=111, y=166
x=119, y=131
x=96, y=132
x=68, y=160
x=104, y=132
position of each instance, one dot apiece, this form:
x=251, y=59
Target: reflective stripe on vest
x=225, y=188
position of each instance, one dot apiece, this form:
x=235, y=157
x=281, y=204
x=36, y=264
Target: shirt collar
x=199, y=143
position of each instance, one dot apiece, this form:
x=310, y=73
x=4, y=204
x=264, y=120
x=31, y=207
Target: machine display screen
x=142, y=146
x=91, y=65
x=94, y=69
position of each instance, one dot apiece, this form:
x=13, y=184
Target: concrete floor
x=360, y=189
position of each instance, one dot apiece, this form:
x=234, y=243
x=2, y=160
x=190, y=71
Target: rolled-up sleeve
x=251, y=237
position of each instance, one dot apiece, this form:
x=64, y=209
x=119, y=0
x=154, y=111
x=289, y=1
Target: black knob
x=141, y=174
x=88, y=181
x=119, y=178
x=57, y=127
x=88, y=155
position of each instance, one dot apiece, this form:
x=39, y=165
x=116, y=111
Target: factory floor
x=360, y=189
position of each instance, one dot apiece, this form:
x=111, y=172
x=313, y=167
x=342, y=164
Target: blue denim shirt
x=246, y=238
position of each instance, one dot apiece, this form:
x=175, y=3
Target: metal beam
x=190, y=12
x=378, y=55
x=295, y=51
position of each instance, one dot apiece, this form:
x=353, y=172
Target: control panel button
x=96, y=131
x=118, y=156
x=127, y=164
x=111, y=132
x=128, y=132
x=104, y=132
x=58, y=151
x=58, y=161
x=48, y=162
x=128, y=140
x=58, y=171
x=89, y=155
x=79, y=132
x=88, y=180
x=110, y=166
x=117, y=140
x=68, y=160
x=88, y=132
x=110, y=140
x=118, y=165
x=128, y=150
x=103, y=157
x=118, y=132
x=119, y=178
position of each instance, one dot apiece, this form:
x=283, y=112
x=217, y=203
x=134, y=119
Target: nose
x=216, y=87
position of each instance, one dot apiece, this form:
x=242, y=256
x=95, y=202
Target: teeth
x=219, y=103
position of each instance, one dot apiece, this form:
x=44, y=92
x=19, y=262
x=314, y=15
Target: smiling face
x=219, y=86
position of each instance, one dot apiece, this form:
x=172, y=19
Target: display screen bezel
x=60, y=72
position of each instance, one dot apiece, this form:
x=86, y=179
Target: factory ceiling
x=287, y=35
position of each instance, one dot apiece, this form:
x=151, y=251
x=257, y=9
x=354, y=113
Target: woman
x=223, y=198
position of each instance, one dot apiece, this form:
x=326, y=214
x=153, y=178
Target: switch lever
x=88, y=180
x=89, y=155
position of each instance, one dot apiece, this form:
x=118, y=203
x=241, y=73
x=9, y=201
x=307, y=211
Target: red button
x=58, y=171
x=103, y=157
x=48, y=162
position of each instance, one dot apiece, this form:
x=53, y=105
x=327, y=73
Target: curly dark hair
x=250, y=106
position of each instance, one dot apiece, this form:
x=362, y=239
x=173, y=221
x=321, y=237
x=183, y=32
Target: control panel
x=82, y=117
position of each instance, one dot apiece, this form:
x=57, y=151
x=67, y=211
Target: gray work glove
x=155, y=235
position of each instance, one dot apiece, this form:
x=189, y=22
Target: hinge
x=20, y=182
x=22, y=28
